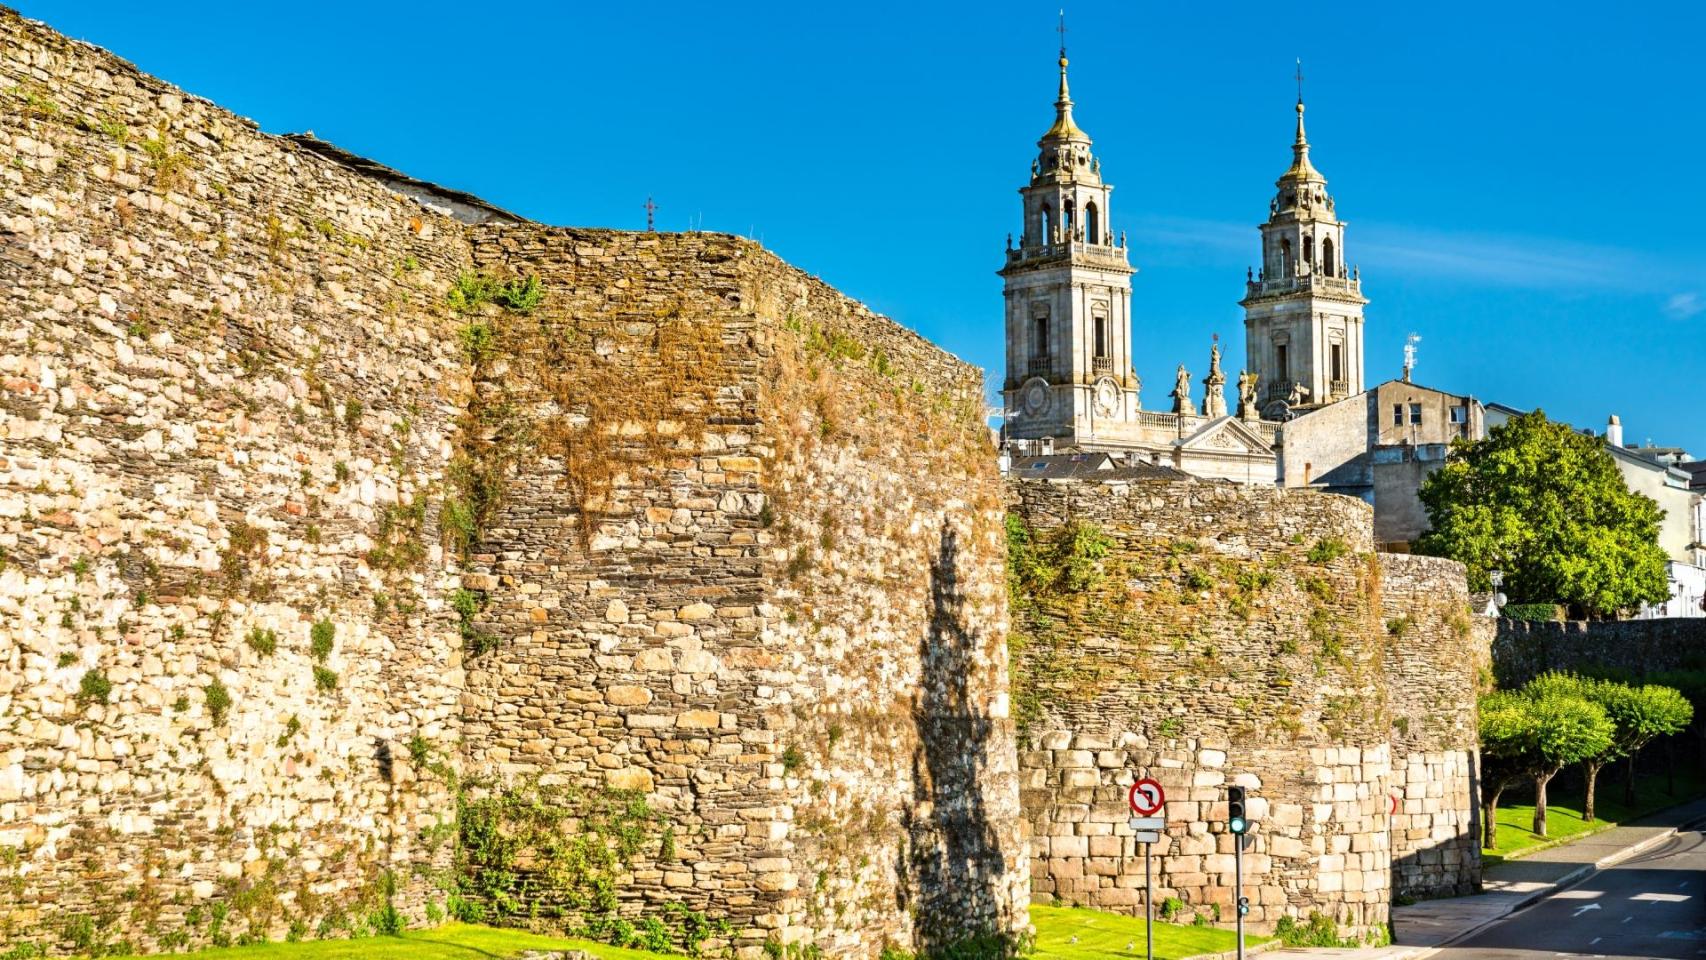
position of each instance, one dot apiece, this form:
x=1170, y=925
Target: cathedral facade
x=1070, y=384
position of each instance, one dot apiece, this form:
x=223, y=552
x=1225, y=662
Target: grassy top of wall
x=1195, y=609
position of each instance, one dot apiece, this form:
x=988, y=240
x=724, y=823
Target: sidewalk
x=1421, y=929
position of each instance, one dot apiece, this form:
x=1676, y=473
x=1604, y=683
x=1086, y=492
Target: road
x=1651, y=906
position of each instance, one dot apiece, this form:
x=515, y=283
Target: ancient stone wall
x=280, y=451
x=1435, y=666
x=1204, y=634
x=225, y=390
x=1522, y=650
x=746, y=562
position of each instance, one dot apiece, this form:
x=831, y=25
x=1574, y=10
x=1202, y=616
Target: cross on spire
x=1299, y=79
x=651, y=211
x=1062, y=31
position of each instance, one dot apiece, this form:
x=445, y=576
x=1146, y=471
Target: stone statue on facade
x=1214, y=396
x=1247, y=396
x=1182, y=392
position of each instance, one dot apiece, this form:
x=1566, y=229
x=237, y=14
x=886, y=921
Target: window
x=1327, y=257
x=1338, y=362
x=1285, y=259
x=1397, y=414
x=1092, y=225
x=1309, y=250
x=1068, y=219
x=1048, y=225
x=1415, y=413
x=1281, y=372
x=1039, y=335
x=1459, y=414
x=1101, y=323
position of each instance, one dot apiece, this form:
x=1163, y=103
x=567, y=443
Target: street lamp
x=1498, y=578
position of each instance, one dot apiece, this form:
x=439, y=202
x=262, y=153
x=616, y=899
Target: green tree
x=1642, y=714
x=1546, y=505
x=1549, y=724
x=1506, y=738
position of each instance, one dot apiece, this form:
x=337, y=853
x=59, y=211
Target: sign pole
x=1238, y=886
x=1148, y=908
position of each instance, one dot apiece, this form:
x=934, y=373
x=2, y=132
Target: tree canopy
x=1547, y=506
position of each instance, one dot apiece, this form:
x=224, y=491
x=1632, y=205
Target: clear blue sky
x=1524, y=185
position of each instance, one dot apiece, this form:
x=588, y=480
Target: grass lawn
x=1564, y=809
x=1107, y=934
x=1099, y=935
x=452, y=941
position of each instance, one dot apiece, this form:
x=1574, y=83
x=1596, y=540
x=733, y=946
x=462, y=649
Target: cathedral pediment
x=1226, y=435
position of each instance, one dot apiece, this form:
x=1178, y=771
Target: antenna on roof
x=1410, y=354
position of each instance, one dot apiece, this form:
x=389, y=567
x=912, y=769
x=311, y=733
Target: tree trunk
x=1540, y=781
x=1592, y=768
x=1629, y=779
x=1670, y=765
x=1490, y=816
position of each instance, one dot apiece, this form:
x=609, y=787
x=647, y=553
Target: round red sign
x=1146, y=797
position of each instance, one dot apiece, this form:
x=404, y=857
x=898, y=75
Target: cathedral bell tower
x=1068, y=294
x=1303, y=310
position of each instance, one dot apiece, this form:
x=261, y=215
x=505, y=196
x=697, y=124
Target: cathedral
x=1070, y=385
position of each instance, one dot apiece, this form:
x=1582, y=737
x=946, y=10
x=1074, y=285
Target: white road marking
x=1628, y=918
x=1595, y=940
x=1662, y=897
x=1584, y=909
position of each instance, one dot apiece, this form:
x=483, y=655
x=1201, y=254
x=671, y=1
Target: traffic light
x=1237, y=820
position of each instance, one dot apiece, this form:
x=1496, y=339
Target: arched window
x=1048, y=226
x=1092, y=223
x=1309, y=251
x=1327, y=258
x=1039, y=337
x=1068, y=219
x=1285, y=257
x=1101, y=336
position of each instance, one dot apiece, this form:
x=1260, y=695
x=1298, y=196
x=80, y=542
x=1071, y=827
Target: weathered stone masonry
x=778, y=622
x=755, y=575
x=1244, y=636
x=1435, y=666
x=1212, y=652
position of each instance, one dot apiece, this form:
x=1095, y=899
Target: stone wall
x=1522, y=650
x=225, y=390
x=748, y=564
x=1435, y=666
x=1218, y=635
x=721, y=550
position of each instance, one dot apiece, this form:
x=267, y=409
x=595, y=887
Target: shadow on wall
x=953, y=861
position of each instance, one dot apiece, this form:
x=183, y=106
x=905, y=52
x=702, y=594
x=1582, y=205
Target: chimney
x=1614, y=431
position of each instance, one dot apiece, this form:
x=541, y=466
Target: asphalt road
x=1652, y=906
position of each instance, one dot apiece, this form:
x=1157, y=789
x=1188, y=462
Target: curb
x=1268, y=947
x=1563, y=883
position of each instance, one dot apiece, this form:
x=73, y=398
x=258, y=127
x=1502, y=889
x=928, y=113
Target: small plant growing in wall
x=218, y=701
x=263, y=642
x=1328, y=549
x=325, y=680
x=793, y=758
x=320, y=637
x=94, y=687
